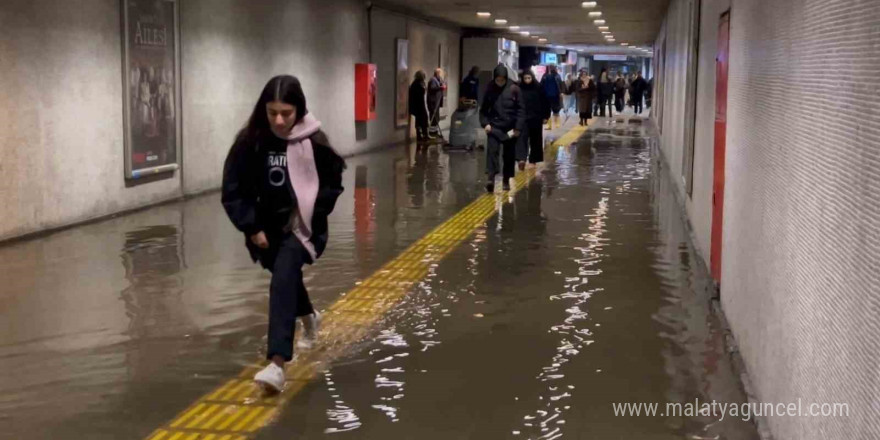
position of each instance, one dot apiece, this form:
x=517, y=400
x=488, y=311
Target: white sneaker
x=271, y=377
x=310, y=324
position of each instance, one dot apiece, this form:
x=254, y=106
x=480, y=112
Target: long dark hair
x=533, y=85
x=284, y=88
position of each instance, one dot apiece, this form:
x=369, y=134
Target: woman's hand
x=488, y=128
x=259, y=240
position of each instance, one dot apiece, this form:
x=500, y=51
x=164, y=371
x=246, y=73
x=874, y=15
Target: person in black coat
x=281, y=180
x=537, y=108
x=502, y=115
x=620, y=88
x=418, y=106
x=470, y=85
x=639, y=86
x=606, y=94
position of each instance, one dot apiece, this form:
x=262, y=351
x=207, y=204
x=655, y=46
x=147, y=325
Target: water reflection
x=152, y=258
x=582, y=291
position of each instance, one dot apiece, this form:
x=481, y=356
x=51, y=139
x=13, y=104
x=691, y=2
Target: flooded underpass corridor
x=578, y=291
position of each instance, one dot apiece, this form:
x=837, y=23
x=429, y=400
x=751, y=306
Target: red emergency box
x=364, y=92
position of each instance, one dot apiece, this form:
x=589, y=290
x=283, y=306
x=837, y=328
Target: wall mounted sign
x=151, y=86
x=401, y=104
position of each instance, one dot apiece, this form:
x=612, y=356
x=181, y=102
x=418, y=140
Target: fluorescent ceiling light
x=611, y=40
x=514, y=28
x=484, y=14
x=526, y=33
x=606, y=32
x=534, y=36
x=604, y=28
x=624, y=44
x=588, y=4
x=543, y=40
x=595, y=14
x=500, y=21
x=599, y=21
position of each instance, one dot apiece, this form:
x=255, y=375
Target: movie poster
x=151, y=87
x=401, y=106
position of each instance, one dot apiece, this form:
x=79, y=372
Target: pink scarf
x=303, y=177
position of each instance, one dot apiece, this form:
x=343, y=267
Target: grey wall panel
x=232, y=48
x=61, y=130
x=386, y=28
x=801, y=251
x=61, y=141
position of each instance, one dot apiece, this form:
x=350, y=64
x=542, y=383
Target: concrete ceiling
x=562, y=22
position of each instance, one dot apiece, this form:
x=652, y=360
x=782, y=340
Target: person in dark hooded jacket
x=502, y=115
x=281, y=180
x=538, y=111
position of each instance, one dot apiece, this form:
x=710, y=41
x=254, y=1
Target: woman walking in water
x=280, y=182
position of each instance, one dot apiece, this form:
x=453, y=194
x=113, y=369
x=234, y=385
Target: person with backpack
x=553, y=88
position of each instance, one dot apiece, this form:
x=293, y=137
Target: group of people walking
x=513, y=114
x=594, y=97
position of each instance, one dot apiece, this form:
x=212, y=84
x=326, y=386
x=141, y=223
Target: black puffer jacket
x=242, y=189
x=502, y=107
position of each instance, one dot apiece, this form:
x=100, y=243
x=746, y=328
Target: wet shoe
x=506, y=186
x=490, y=188
x=271, y=378
x=522, y=165
x=311, y=324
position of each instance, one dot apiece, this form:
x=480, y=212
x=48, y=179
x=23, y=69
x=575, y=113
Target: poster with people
x=151, y=122
x=401, y=110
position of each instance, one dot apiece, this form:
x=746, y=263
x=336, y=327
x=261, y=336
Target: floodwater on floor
x=582, y=292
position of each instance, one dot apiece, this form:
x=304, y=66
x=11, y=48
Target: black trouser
x=606, y=101
x=531, y=143
x=421, y=126
x=637, y=103
x=509, y=156
x=288, y=297
x=618, y=103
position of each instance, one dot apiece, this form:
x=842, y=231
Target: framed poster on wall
x=151, y=86
x=401, y=103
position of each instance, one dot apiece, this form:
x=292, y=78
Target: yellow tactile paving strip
x=236, y=410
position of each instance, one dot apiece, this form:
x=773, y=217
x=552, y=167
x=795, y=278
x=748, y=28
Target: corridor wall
x=800, y=249
x=61, y=135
